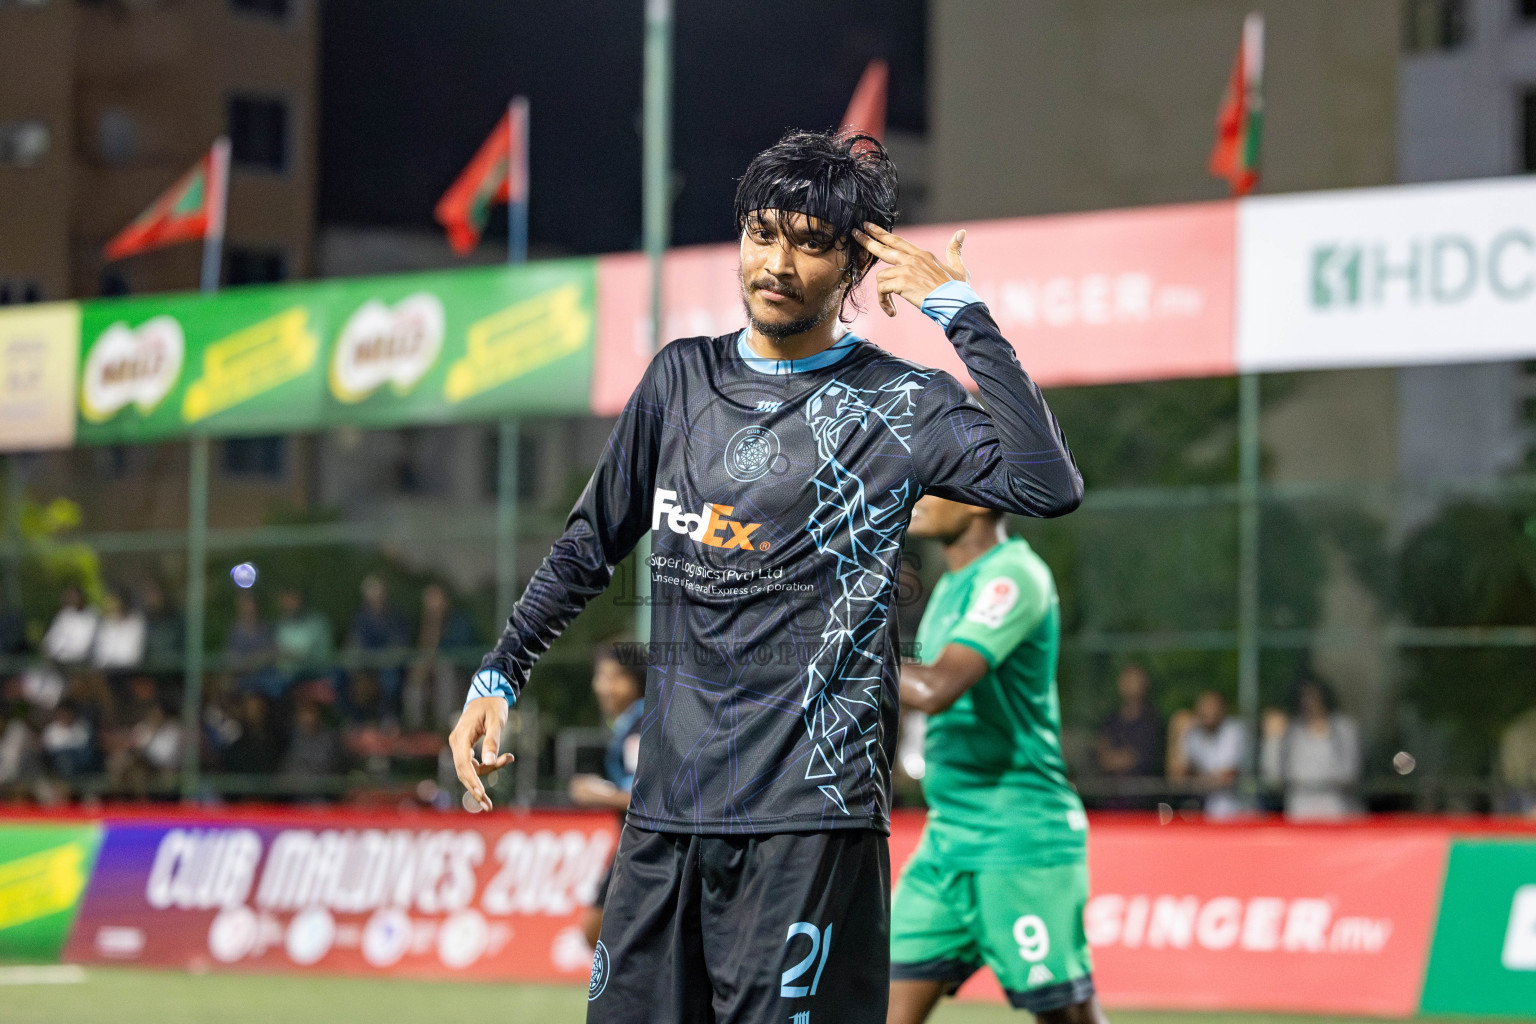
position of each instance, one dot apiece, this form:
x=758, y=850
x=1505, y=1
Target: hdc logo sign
x=1442, y=270
x=1387, y=277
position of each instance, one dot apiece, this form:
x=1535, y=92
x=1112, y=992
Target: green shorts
x=1026, y=923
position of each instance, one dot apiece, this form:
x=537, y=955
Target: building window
x=1528, y=130
x=277, y=10
x=1430, y=25
x=529, y=453
x=258, y=133
x=117, y=136
x=255, y=456
x=256, y=266
x=14, y=292
x=23, y=143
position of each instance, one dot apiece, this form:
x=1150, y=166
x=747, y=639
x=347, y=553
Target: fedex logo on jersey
x=710, y=525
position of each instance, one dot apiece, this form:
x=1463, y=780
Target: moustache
x=772, y=285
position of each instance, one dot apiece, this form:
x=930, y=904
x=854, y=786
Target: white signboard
x=1388, y=277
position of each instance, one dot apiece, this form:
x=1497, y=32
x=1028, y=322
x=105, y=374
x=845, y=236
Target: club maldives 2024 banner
x=1378, y=918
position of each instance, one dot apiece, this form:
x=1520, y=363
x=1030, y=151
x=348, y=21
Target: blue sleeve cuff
x=490, y=683
x=946, y=301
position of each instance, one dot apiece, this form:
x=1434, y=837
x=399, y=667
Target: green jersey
x=996, y=782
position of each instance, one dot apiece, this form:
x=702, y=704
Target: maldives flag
x=1240, y=124
x=190, y=209
x=866, y=111
x=497, y=174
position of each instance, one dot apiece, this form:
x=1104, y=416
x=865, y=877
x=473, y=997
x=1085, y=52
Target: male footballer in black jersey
x=775, y=469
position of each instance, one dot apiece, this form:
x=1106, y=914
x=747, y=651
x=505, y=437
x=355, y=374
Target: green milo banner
x=43, y=873
x=385, y=351
x=1484, y=955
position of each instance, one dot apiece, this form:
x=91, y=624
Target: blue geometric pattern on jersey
x=862, y=535
x=946, y=301
x=490, y=683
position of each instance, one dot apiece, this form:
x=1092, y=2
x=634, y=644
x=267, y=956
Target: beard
x=778, y=331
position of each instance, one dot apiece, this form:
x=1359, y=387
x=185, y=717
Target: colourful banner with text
x=388, y=351
x=1090, y=298
x=1261, y=917
x=43, y=873
x=39, y=347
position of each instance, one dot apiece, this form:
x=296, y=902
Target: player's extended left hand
x=912, y=272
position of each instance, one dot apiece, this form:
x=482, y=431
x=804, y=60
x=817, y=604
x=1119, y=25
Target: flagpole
x=517, y=172
x=213, y=238
x=197, y=500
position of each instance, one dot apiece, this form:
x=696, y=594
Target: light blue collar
x=826, y=357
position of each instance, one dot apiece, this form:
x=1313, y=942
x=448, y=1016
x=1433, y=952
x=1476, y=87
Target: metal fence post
x=656, y=222
x=1248, y=561
x=507, y=471
x=13, y=490
x=197, y=595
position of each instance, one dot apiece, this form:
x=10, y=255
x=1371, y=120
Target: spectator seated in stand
x=72, y=631
x=1129, y=745
x=164, y=633
x=255, y=747
x=117, y=648
x=376, y=630
x=69, y=743
x=1206, y=749
x=20, y=756
x=120, y=634
x=151, y=755
x=314, y=746
x=434, y=686
x=249, y=651
x=305, y=647
x=1517, y=765
x=1314, y=757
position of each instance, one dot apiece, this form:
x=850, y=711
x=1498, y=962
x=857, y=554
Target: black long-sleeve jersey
x=777, y=495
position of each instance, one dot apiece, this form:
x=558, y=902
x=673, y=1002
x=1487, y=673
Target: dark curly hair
x=632, y=657
x=842, y=179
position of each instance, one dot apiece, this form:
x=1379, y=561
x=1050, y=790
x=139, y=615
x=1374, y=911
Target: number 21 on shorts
x=1034, y=941
x=821, y=942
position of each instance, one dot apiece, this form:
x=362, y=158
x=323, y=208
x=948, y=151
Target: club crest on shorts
x=750, y=453
x=599, y=972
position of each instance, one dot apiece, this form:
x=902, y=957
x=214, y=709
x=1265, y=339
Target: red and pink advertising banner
x=472, y=897
x=1090, y=298
x=1263, y=917
x=1318, y=920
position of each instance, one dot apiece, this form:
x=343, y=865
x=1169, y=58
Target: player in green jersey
x=1001, y=876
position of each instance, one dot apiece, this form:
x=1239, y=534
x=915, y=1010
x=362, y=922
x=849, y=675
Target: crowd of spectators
x=96, y=708
x=1308, y=763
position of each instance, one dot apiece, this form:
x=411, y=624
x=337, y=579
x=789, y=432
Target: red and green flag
x=1240, y=124
x=866, y=110
x=193, y=208
x=497, y=174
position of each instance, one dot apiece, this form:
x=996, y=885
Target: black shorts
x=792, y=928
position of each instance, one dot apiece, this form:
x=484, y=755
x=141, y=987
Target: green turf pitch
x=153, y=997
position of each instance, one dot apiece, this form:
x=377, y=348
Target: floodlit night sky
x=410, y=88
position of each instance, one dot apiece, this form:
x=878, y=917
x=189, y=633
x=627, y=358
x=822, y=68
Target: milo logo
x=132, y=366
x=387, y=345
